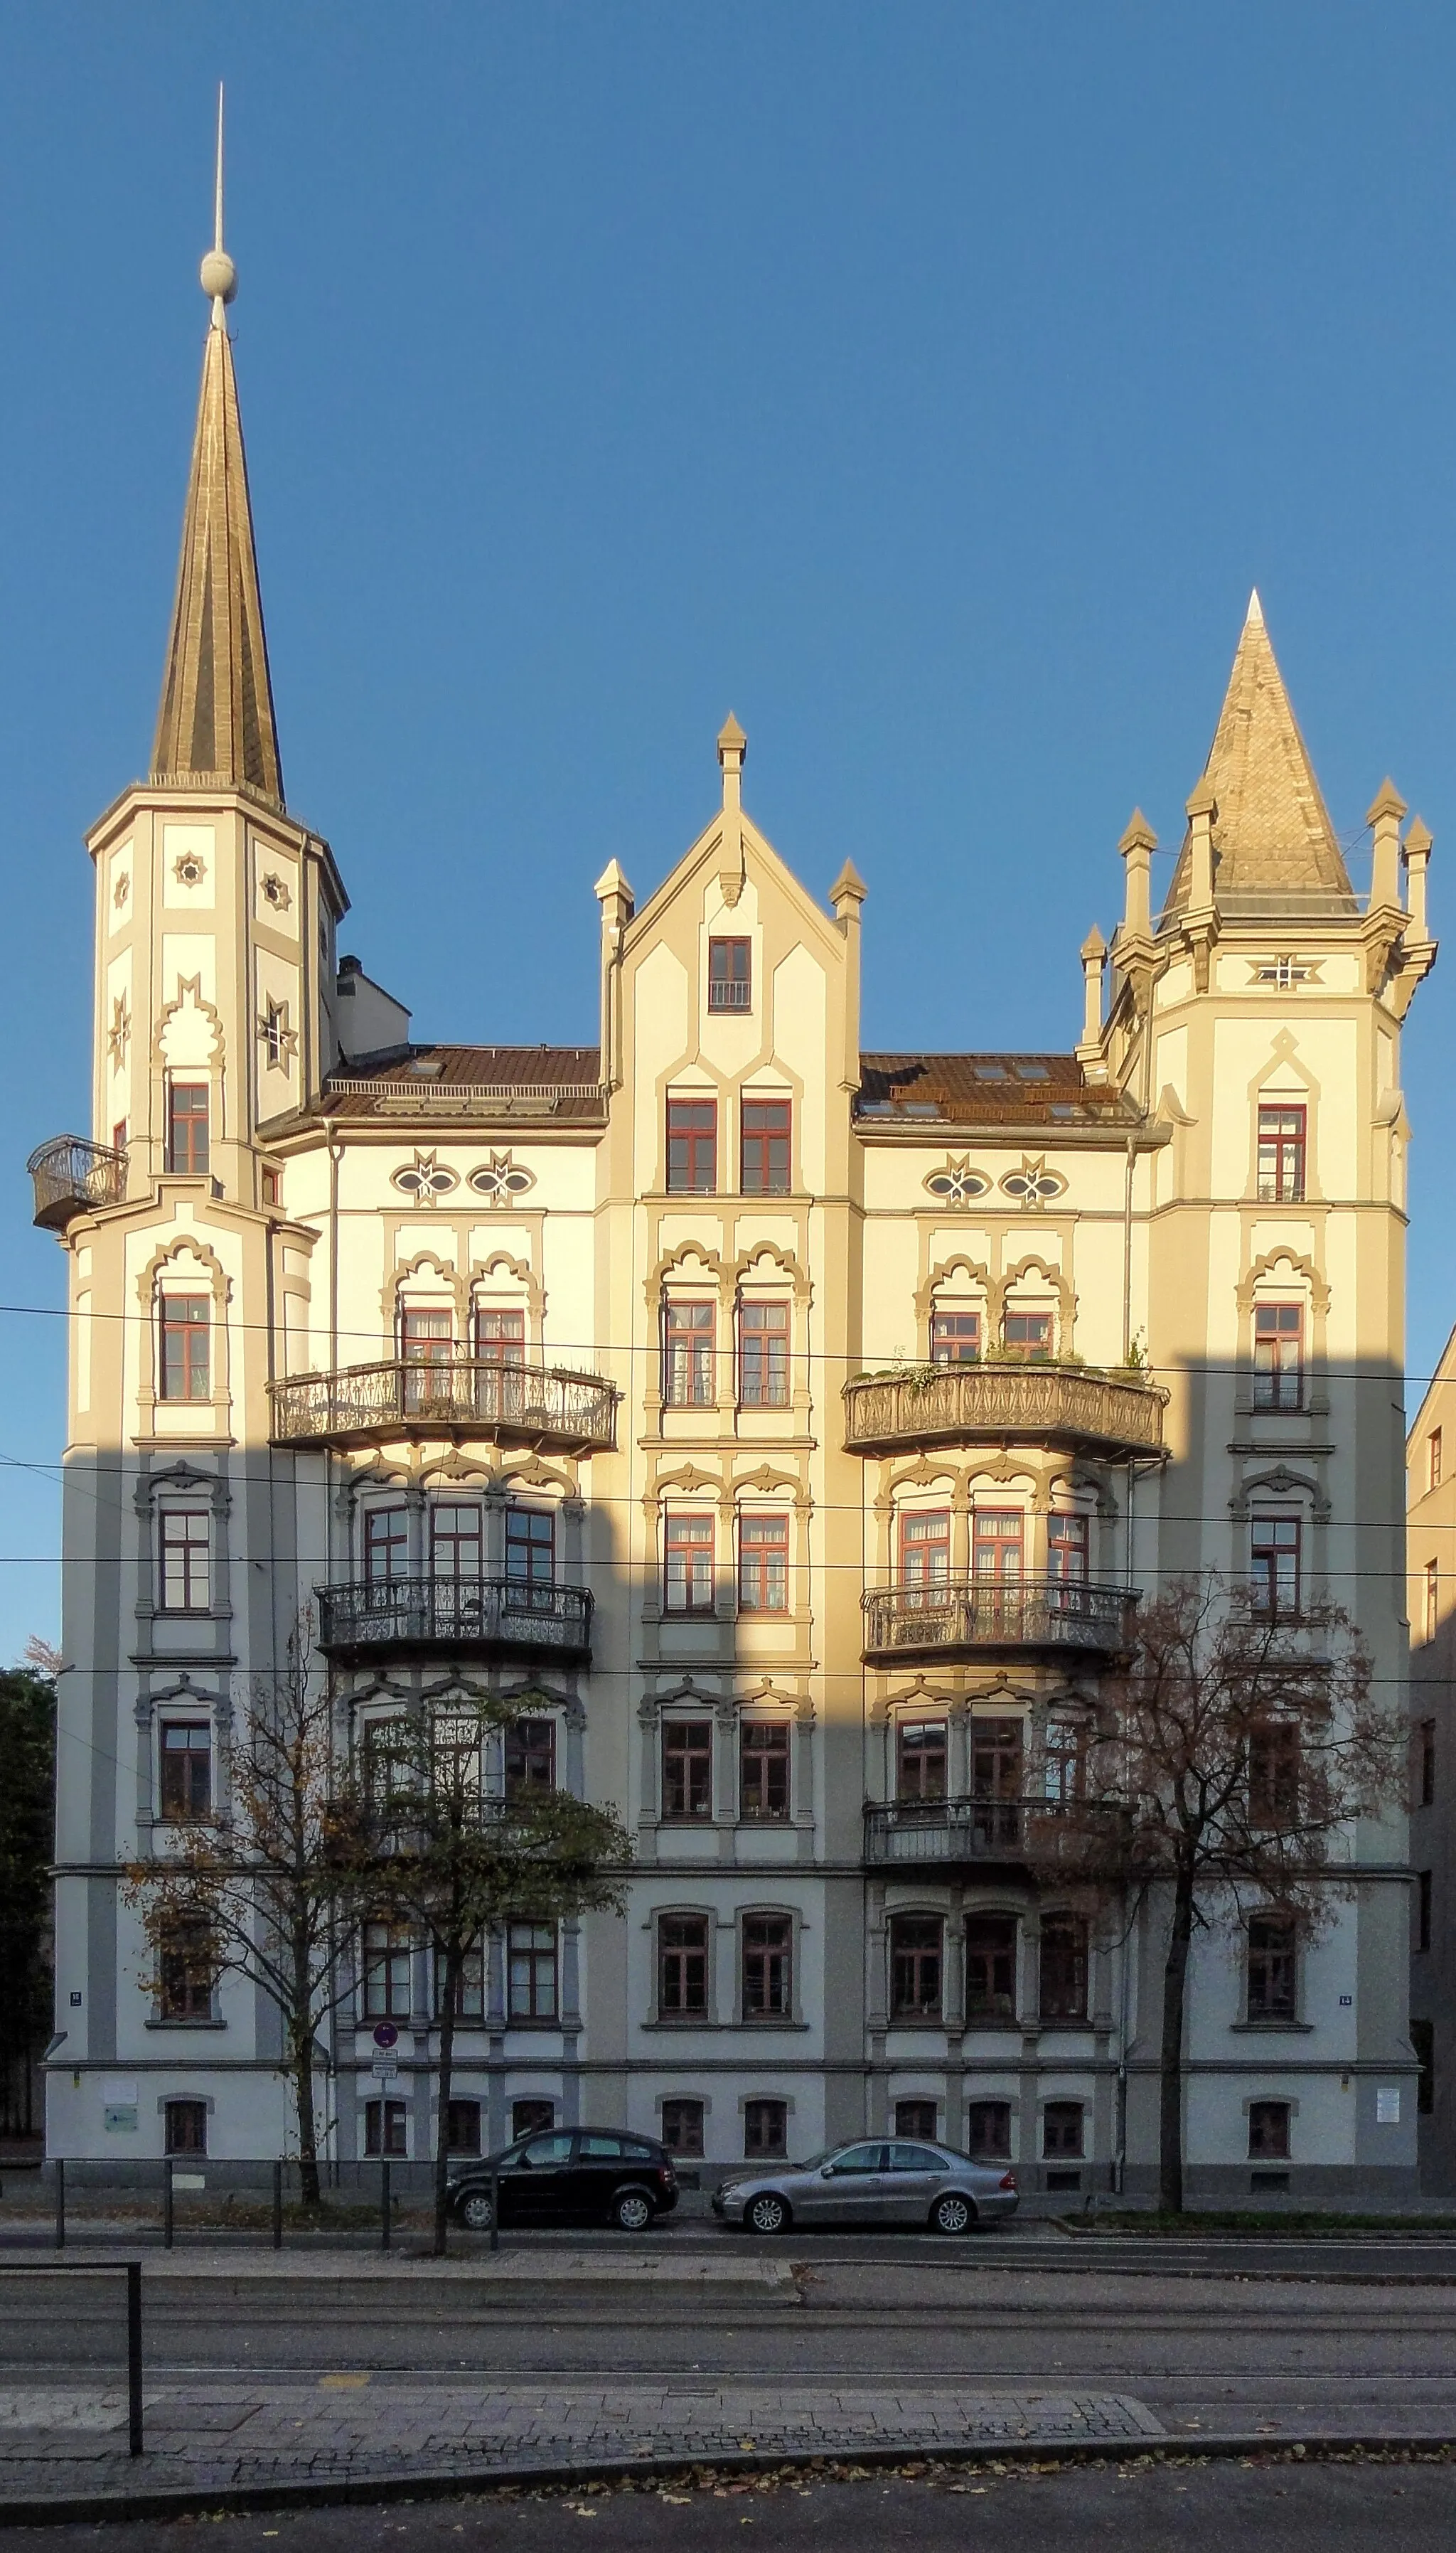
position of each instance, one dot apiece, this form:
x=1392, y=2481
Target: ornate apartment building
x=783, y=1425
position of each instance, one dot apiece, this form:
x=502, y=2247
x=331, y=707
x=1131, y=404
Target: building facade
x=1430, y=1485
x=783, y=1426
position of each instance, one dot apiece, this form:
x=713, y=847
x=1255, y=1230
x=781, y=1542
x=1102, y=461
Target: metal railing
x=455, y=1614
x=72, y=1176
x=459, y=1396
x=1019, y=1402
x=130, y=2271
x=996, y=1613
x=970, y=1829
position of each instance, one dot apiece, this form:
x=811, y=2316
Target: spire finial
x=218, y=276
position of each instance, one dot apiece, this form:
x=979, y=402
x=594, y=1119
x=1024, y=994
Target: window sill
x=184, y=2025
x=1262, y=2028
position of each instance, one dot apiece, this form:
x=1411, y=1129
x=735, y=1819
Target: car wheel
x=631, y=2211
x=952, y=2214
x=768, y=2214
x=476, y=2210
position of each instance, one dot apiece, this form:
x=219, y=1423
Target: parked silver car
x=897, y=2181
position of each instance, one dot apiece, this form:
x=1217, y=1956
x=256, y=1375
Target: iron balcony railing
x=1004, y=1403
x=996, y=1613
x=453, y=1616
x=72, y=1176
x=458, y=1396
x=980, y=1830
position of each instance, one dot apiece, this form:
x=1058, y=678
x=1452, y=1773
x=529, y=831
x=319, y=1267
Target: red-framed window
x=186, y=1342
x=921, y=1759
x=187, y=1113
x=763, y=1356
x=763, y=1564
x=997, y=1757
x=184, y=1558
x=1283, y=1147
x=500, y=1338
x=767, y=1967
x=690, y=1376
x=186, y=1769
x=683, y=1965
x=1067, y=1550
x=955, y=1338
x=692, y=1147
x=915, y=1965
x=1274, y=1565
x=688, y=1551
x=766, y=1147
x=455, y=1544
x=1027, y=1336
x=996, y=1544
x=385, y=1544
x=730, y=974
x=1279, y=1356
x=687, y=1770
x=530, y=1544
x=762, y=1770
x=925, y=1547
x=530, y=1756
x=186, y=1972
x=426, y=1335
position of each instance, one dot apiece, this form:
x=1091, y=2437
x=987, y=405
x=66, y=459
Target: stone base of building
x=1253, y=2186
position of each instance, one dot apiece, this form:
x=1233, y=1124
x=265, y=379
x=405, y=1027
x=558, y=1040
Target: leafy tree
x=1239, y=1751
x=453, y=1862
x=27, y=1843
x=267, y=1886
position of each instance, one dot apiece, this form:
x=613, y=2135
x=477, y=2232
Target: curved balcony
x=364, y=1404
x=969, y=1617
x=1071, y=1407
x=72, y=1176
x=452, y=1618
x=960, y=1831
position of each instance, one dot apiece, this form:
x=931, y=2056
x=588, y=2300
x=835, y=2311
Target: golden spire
x=1273, y=840
x=215, y=727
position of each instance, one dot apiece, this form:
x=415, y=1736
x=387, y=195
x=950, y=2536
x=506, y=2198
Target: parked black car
x=570, y=2176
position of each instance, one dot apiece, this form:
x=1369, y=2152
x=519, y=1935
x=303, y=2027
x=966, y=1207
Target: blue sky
x=929, y=385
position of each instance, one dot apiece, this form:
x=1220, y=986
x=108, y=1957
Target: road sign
x=385, y=2069
x=386, y=2034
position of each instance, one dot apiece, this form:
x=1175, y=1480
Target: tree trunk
x=1170, y=2104
x=453, y=1967
x=301, y=2034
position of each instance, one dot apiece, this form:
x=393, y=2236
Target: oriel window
x=500, y=1338
x=1282, y=1152
x=184, y=1551
x=955, y=1338
x=187, y=1147
x=766, y=1147
x=730, y=974
x=1027, y=1336
x=763, y=1356
x=688, y=1379
x=455, y=1538
x=187, y=1335
x=530, y=1545
x=920, y=1759
x=763, y=1564
x=926, y=1549
x=692, y=1147
x=1067, y=1550
x=385, y=1544
x=762, y=1770
x=1279, y=1356
x=186, y=1768
x=687, y=1770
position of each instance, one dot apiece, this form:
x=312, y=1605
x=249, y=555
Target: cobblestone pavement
x=61, y=2440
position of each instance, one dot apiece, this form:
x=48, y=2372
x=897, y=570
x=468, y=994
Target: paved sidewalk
x=63, y=2441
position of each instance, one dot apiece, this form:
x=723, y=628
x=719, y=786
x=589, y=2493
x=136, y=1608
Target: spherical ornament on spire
x=218, y=276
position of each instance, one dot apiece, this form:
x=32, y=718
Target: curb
x=346, y=2491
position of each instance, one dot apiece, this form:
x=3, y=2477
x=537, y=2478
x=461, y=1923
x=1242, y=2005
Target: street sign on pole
x=386, y=2034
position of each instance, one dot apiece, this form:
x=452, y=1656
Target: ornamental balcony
x=969, y=1617
x=961, y=1832
x=1071, y=1407
x=517, y=1404
x=454, y=1618
x=72, y=1176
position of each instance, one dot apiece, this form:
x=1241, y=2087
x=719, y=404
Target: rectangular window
x=914, y=1967
x=456, y=1548
x=988, y=2131
x=1064, y=1760
x=385, y=2129
x=387, y=1995
x=1273, y=1978
x=271, y=1186
x=683, y=1965
x=763, y=1356
x=462, y=2127
x=955, y=1338
x=1027, y=1336
x=1428, y=1763
x=530, y=1544
x=1279, y=1356
x=920, y=1759
x=1274, y=1773
x=186, y=1127
x=1282, y=1145
x=1063, y=1968
x=1269, y=2131
x=1067, y=1550
x=187, y=1973
x=1432, y=1598
x=766, y=1150
x=765, y=2131
x=997, y=1758
x=996, y=1542
x=530, y=1968
x=1274, y=1557
x=688, y=1555
x=990, y=1967
x=683, y=2126
x=530, y=1757
x=500, y=1338
x=185, y=1541
x=925, y=1551
x=385, y=1544
x=185, y=2127
x=186, y=1769
x=186, y=1331
x=530, y=2117
x=767, y=1967
x=692, y=1147
x=730, y=974
x=916, y=2119
x=470, y=1992
x=762, y=1770
x=1061, y=2130
x=689, y=1380
x=1423, y=2036
x=687, y=1770
x=1422, y=1909
x=763, y=1564
x=427, y=1347
x=1432, y=1449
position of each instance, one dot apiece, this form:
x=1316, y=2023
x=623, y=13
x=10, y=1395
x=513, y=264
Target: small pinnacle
x=1255, y=611
x=1093, y=945
x=731, y=738
x=1139, y=835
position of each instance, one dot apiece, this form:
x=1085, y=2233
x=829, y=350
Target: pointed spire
x=1271, y=835
x=215, y=726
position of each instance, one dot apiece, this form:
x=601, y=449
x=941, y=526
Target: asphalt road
x=1309, y=2508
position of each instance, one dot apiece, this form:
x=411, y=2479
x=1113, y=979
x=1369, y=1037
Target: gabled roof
x=986, y=1090
x=215, y=726
x=1273, y=841
x=446, y=1081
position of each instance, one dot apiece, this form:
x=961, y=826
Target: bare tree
x=455, y=1861
x=265, y=1884
x=1241, y=1748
